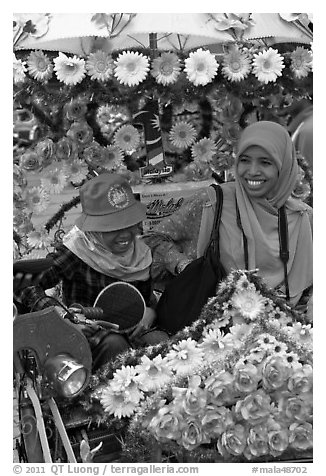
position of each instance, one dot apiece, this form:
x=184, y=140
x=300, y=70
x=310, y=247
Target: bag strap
x=244, y=238
x=214, y=238
x=284, y=248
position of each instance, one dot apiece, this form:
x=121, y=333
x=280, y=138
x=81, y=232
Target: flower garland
x=258, y=355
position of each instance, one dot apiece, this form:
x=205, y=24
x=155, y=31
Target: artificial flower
x=220, y=387
x=301, y=62
x=127, y=138
x=266, y=341
x=275, y=372
x=213, y=343
x=94, y=155
x=152, y=374
x=201, y=67
x=131, y=68
x=246, y=377
x=167, y=424
x=118, y=402
x=182, y=134
x=125, y=379
x=233, y=21
x=66, y=147
x=39, y=66
x=301, y=332
x=257, y=443
x=113, y=158
x=38, y=239
x=110, y=117
x=216, y=420
x=68, y=70
x=300, y=436
x=203, y=150
x=294, y=407
x=277, y=437
x=166, y=68
x=46, y=150
x=193, y=399
x=37, y=199
x=76, y=170
x=35, y=24
x=99, y=65
x=249, y=303
x=236, y=65
x=54, y=179
x=75, y=110
x=232, y=441
x=19, y=70
x=30, y=160
x=192, y=434
x=81, y=133
x=268, y=65
x=184, y=357
x=254, y=408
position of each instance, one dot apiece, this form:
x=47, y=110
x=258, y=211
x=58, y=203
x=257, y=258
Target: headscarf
x=134, y=265
x=259, y=216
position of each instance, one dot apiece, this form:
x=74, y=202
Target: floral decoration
x=19, y=70
x=201, y=67
x=236, y=65
x=131, y=68
x=99, y=65
x=114, y=159
x=127, y=138
x=301, y=62
x=166, y=68
x=54, y=179
x=234, y=386
x=267, y=65
x=203, y=150
x=39, y=66
x=69, y=70
x=182, y=134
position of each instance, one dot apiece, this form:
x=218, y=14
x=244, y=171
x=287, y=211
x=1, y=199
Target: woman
x=265, y=175
x=104, y=246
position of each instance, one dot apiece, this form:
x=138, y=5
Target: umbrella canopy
x=83, y=33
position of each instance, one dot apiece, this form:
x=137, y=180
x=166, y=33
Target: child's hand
x=146, y=323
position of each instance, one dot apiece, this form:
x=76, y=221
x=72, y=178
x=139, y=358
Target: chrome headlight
x=65, y=375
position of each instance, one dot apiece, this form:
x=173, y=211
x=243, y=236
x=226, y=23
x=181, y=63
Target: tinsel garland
x=61, y=212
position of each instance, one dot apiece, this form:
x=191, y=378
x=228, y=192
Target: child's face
x=119, y=241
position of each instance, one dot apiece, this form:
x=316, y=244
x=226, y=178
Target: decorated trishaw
x=161, y=99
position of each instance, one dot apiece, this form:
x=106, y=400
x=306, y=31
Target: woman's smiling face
x=120, y=241
x=257, y=172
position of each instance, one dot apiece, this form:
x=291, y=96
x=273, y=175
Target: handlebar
x=91, y=316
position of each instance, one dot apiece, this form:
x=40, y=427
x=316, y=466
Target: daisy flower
x=201, y=67
x=113, y=158
x=38, y=239
x=54, y=179
x=213, y=343
x=127, y=138
x=76, y=170
x=182, y=135
x=19, y=70
x=131, y=68
x=166, y=68
x=301, y=62
x=153, y=374
x=268, y=65
x=117, y=403
x=184, y=357
x=236, y=65
x=266, y=341
x=39, y=66
x=249, y=303
x=125, y=379
x=99, y=65
x=37, y=199
x=203, y=150
x=70, y=71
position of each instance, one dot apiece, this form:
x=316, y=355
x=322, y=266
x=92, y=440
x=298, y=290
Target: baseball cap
x=108, y=204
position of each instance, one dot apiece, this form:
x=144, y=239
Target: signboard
x=165, y=198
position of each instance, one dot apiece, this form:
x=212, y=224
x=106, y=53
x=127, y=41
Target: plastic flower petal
x=166, y=68
x=203, y=150
x=39, y=66
x=99, y=65
x=182, y=134
x=30, y=160
x=184, y=357
x=81, y=133
x=69, y=70
x=54, y=179
x=301, y=62
x=249, y=303
x=118, y=402
x=268, y=65
x=131, y=68
x=37, y=199
x=127, y=138
x=201, y=67
x=19, y=70
x=153, y=374
x=236, y=65
x=76, y=170
x=75, y=110
x=113, y=158
x=38, y=239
